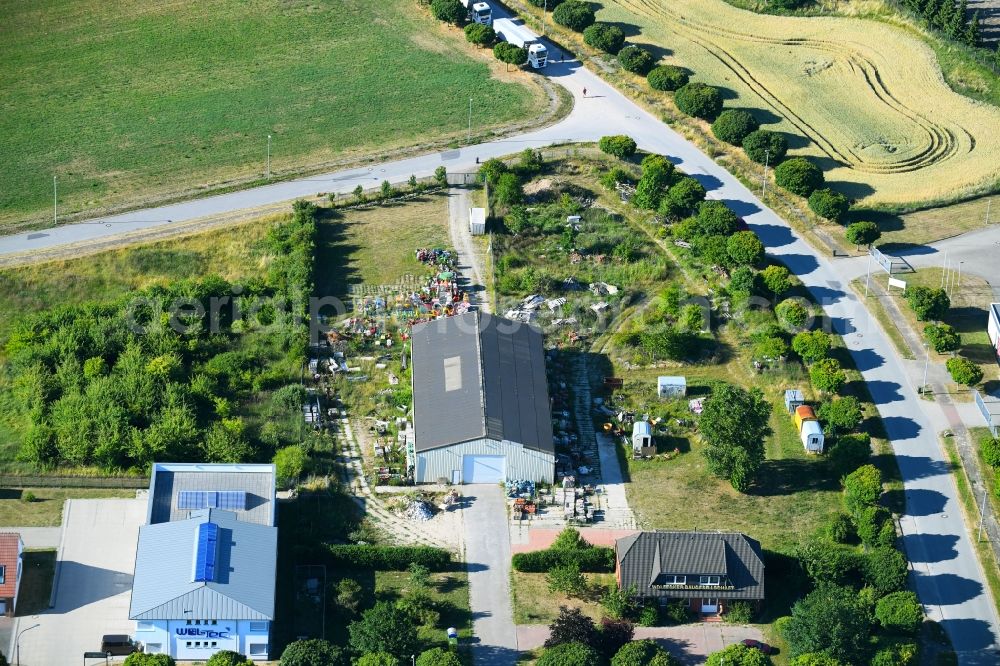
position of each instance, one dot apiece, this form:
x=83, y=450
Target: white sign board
x=893, y=282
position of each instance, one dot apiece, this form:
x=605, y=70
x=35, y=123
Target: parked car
x=117, y=645
x=757, y=645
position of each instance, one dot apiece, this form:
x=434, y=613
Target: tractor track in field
x=939, y=142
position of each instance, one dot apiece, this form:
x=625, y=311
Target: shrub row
x=592, y=560
x=391, y=558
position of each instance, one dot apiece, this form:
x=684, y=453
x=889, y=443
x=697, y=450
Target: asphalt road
x=947, y=575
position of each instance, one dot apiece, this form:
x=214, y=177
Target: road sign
x=884, y=261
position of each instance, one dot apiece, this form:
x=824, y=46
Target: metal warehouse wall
x=522, y=463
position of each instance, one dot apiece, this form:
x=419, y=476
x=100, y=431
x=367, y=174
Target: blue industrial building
x=205, y=566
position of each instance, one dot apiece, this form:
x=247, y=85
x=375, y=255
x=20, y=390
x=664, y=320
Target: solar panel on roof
x=205, y=555
x=212, y=499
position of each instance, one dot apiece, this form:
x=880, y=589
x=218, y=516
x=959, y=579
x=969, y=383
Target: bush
x=377, y=659
x=862, y=233
x=667, y=78
x=313, y=652
x=480, y=34
x=901, y=654
x=799, y=176
x=874, y=526
x=607, y=38
x=765, y=146
x=566, y=578
x=510, y=54
x=686, y=194
x=450, y=11
x=812, y=346
x=927, y=303
x=963, y=371
x=508, y=190
x=849, y=452
x=884, y=569
x=826, y=375
x=942, y=337
x=572, y=626
x=228, y=658
x=740, y=612
x=613, y=635
x=862, y=488
x=384, y=628
x=733, y=125
x=134, y=659
x=591, y=560
x=989, y=449
x=614, y=176
x=28, y=497
x=840, y=529
x=677, y=611
x=643, y=653
x=574, y=15
x=716, y=219
x=840, y=415
x=900, y=612
x=792, y=313
x=289, y=463
x=828, y=204
x=569, y=654
x=745, y=249
x=491, y=170
x=699, y=100
x=618, y=145
x=391, y=558
x=649, y=616
x=438, y=657
x=635, y=59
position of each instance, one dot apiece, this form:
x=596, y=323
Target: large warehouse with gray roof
x=480, y=402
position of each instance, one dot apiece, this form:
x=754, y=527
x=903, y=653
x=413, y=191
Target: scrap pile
x=419, y=510
x=520, y=488
x=435, y=257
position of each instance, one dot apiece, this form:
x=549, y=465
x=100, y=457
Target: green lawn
x=141, y=100
x=535, y=604
x=46, y=509
x=36, y=585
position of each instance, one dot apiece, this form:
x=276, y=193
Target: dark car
x=757, y=645
x=117, y=645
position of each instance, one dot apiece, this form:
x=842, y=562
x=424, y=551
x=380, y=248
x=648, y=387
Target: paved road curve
x=948, y=577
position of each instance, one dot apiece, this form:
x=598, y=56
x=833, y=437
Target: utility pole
x=545, y=9
x=927, y=360
x=269, y=157
x=982, y=513
x=55, y=200
x=763, y=186
x=868, y=278
x=959, y=286
x=469, y=140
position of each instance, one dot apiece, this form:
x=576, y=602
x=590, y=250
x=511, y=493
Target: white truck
x=479, y=12
x=520, y=36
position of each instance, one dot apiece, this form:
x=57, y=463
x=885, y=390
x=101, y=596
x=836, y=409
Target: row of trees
x=164, y=374
x=932, y=304
x=951, y=19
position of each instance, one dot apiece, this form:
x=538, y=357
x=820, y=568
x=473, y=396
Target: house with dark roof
x=206, y=561
x=709, y=570
x=11, y=557
x=481, y=409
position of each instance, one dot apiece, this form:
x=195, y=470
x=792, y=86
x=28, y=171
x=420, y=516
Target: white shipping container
x=812, y=436
x=993, y=328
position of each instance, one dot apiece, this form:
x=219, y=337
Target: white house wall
x=173, y=636
x=522, y=463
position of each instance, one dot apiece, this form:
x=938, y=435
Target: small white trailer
x=477, y=221
x=479, y=12
x=993, y=329
x=522, y=37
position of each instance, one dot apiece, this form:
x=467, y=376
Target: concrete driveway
x=93, y=582
x=487, y=556
x=690, y=643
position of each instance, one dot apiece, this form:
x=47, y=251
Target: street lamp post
x=763, y=185
x=868, y=277
x=269, y=157
x=55, y=200
x=17, y=643
x=927, y=360
x=959, y=286
x=982, y=513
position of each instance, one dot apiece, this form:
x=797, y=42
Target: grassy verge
x=46, y=509
x=535, y=604
x=888, y=324
x=197, y=88
x=36, y=585
x=926, y=225
x=970, y=510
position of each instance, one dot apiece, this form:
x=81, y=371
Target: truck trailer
x=479, y=12
x=520, y=36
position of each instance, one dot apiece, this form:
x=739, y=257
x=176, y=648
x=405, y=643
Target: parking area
x=93, y=583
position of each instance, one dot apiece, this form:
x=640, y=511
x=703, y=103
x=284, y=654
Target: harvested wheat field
x=864, y=98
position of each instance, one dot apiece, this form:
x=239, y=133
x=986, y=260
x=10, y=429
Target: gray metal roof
x=170, y=479
x=479, y=376
x=645, y=558
x=162, y=586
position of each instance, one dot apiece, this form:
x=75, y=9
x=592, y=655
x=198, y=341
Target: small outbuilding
x=642, y=439
x=477, y=221
x=812, y=436
x=793, y=400
x=671, y=387
x=993, y=329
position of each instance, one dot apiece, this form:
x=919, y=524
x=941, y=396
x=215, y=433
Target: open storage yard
x=864, y=98
x=145, y=100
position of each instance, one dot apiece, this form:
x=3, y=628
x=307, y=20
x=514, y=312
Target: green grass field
x=138, y=100
x=46, y=509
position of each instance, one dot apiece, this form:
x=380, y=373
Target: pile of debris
x=520, y=488
x=419, y=510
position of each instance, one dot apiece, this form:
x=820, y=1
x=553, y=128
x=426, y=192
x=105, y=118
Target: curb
x=59, y=553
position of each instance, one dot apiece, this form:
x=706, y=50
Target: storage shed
x=477, y=221
x=793, y=399
x=480, y=402
x=812, y=436
x=803, y=413
x=642, y=438
x=671, y=387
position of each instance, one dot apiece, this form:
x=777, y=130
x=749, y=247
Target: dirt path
x=470, y=260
